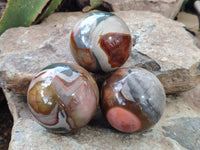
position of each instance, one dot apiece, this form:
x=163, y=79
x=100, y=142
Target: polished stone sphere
x=101, y=42
x=63, y=97
x=132, y=100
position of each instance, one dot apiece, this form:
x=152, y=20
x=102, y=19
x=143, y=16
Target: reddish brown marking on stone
x=86, y=59
x=123, y=120
x=112, y=98
x=117, y=47
x=39, y=75
x=67, y=85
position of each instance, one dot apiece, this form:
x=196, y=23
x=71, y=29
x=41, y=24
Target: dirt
x=6, y=123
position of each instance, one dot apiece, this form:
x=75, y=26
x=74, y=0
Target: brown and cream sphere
x=101, y=42
x=63, y=97
x=132, y=100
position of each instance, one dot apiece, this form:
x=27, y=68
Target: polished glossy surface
x=132, y=100
x=63, y=97
x=101, y=42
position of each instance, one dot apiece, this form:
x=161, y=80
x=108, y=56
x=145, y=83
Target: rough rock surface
x=162, y=46
x=190, y=20
x=179, y=128
x=168, y=8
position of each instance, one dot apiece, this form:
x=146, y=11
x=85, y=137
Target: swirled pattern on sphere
x=101, y=42
x=63, y=97
x=132, y=100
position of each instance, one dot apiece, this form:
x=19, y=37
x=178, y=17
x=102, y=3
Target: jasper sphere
x=132, y=100
x=63, y=97
x=101, y=42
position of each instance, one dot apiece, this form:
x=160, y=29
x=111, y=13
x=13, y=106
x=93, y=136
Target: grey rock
x=168, y=8
x=185, y=131
x=162, y=47
x=177, y=129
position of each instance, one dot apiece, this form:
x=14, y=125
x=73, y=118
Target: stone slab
x=179, y=128
x=190, y=20
x=168, y=8
x=162, y=47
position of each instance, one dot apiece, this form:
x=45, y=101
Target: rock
x=193, y=98
x=162, y=46
x=168, y=8
x=191, y=23
x=181, y=130
x=190, y=20
x=178, y=129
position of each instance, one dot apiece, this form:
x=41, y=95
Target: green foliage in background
x=53, y=4
x=26, y=12
x=93, y=4
x=184, y=4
